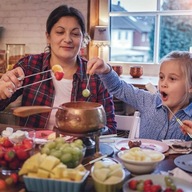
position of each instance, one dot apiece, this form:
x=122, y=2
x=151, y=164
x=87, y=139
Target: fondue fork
x=22, y=78
x=152, y=89
x=95, y=160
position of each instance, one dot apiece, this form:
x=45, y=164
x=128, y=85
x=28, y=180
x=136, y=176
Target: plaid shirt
x=43, y=93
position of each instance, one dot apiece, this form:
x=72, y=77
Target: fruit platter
x=15, y=148
x=60, y=164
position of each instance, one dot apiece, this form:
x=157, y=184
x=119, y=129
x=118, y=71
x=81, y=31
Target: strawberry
x=179, y=190
x=27, y=143
x=18, y=147
x=22, y=154
x=15, y=177
x=59, y=75
x=147, y=188
x=156, y=188
x=3, y=163
x=2, y=152
x=7, y=143
x=123, y=148
x=14, y=164
x=148, y=182
x=9, y=155
x=2, y=184
x=133, y=184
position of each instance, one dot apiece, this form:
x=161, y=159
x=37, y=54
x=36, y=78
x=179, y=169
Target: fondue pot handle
x=25, y=111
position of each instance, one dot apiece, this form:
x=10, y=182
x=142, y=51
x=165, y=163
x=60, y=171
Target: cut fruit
x=58, y=75
x=86, y=93
x=57, y=68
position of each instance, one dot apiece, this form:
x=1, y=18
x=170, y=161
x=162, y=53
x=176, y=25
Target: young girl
x=175, y=86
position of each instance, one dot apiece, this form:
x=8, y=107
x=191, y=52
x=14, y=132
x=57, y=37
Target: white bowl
x=141, y=165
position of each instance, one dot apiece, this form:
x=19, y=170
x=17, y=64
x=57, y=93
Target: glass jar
x=14, y=53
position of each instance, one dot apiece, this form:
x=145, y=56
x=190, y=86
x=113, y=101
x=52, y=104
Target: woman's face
x=172, y=85
x=65, y=38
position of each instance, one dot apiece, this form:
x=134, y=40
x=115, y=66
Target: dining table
x=164, y=166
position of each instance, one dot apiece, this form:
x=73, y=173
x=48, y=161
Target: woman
x=65, y=32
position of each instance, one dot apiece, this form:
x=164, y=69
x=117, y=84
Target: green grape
x=50, y=145
x=58, y=146
x=86, y=93
x=59, y=140
x=168, y=181
x=56, y=153
x=140, y=186
x=75, y=157
x=67, y=149
x=66, y=158
x=45, y=150
x=79, y=142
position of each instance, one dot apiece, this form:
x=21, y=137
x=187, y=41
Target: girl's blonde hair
x=184, y=59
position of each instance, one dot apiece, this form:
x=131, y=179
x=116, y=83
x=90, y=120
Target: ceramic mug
x=136, y=71
x=118, y=69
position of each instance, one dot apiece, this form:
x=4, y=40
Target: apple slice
x=57, y=68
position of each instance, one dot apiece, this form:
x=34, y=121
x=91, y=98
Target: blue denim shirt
x=155, y=123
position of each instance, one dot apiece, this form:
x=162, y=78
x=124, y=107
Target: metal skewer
x=35, y=83
x=88, y=81
x=93, y=161
x=22, y=78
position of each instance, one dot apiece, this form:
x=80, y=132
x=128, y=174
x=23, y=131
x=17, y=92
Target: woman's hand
x=97, y=66
x=10, y=81
x=187, y=127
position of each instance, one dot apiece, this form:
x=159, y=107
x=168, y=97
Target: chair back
x=128, y=126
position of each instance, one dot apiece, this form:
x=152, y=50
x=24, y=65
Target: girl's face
x=65, y=39
x=172, y=85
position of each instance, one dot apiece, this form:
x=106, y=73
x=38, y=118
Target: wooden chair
x=128, y=126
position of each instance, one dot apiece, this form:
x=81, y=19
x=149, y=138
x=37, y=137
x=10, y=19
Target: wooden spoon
x=25, y=111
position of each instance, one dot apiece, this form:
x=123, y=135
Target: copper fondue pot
x=80, y=117
x=72, y=117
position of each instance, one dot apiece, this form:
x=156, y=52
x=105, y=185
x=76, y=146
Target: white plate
x=159, y=179
x=42, y=136
x=184, y=162
x=146, y=144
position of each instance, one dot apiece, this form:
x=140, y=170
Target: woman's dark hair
x=63, y=11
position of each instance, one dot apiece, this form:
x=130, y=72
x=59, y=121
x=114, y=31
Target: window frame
x=157, y=14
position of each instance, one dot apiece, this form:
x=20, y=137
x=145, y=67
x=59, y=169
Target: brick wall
x=24, y=21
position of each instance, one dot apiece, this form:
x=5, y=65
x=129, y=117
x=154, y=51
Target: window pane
x=134, y=5
x=175, y=34
x=176, y=5
x=130, y=38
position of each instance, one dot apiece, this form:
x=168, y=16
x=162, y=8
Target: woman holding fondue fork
x=65, y=33
x=175, y=86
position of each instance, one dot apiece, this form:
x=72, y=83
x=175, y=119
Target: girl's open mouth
x=164, y=96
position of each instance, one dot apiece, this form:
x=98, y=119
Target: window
x=149, y=29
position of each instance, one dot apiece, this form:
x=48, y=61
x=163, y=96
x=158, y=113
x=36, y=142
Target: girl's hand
x=187, y=127
x=10, y=81
x=97, y=66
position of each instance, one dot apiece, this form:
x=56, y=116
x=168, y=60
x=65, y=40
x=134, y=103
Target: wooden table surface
x=165, y=165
